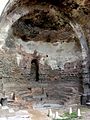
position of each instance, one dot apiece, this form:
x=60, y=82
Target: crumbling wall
x=52, y=43
x=61, y=78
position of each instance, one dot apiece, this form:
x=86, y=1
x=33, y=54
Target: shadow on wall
x=35, y=69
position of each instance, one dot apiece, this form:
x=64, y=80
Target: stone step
x=14, y=84
x=23, y=94
x=39, y=96
x=28, y=98
x=34, y=98
x=47, y=105
x=33, y=94
x=37, y=85
x=27, y=95
x=33, y=91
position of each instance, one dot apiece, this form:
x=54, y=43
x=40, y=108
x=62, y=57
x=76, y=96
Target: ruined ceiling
x=48, y=20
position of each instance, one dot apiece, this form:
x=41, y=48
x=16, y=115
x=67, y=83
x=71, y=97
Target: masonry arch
x=13, y=15
x=10, y=15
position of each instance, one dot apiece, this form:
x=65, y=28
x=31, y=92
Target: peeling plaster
x=56, y=57
x=6, y=24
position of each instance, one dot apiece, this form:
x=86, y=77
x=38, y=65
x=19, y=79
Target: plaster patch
x=19, y=58
x=2, y=42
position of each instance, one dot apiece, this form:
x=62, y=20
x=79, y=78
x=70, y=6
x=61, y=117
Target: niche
x=35, y=69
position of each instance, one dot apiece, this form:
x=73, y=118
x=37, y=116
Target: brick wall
x=60, y=85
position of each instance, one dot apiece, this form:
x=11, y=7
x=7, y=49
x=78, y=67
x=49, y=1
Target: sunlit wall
x=2, y=5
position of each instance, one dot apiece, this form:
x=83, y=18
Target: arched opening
x=35, y=69
x=35, y=23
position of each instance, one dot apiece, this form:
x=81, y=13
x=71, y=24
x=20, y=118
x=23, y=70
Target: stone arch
x=14, y=16
x=10, y=19
x=7, y=20
x=85, y=56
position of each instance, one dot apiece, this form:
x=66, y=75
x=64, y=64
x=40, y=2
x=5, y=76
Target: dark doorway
x=35, y=69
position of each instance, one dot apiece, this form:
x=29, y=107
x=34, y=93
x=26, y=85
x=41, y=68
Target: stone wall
x=28, y=33
x=58, y=85
x=63, y=86
x=10, y=74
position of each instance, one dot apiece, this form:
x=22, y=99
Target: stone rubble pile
x=7, y=113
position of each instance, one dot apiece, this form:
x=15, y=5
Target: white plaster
x=80, y=34
x=19, y=58
x=53, y=64
x=7, y=28
x=2, y=42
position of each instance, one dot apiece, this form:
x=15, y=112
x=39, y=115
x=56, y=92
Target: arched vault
x=50, y=22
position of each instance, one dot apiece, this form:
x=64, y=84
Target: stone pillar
x=85, y=98
x=86, y=76
x=86, y=61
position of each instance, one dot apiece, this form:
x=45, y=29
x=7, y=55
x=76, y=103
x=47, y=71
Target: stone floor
x=22, y=110
x=24, y=103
